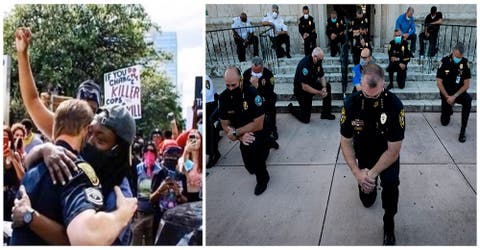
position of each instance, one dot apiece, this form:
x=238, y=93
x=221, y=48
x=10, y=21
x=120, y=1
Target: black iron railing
x=222, y=51
x=448, y=36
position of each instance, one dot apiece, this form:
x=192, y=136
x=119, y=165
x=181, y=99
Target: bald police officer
x=453, y=81
x=372, y=130
x=242, y=115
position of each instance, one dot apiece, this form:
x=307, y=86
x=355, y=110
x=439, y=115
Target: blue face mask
x=398, y=39
x=362, y=62
x=456, y=60
x=334, y=20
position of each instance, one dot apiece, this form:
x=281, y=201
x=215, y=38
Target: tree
x=73, y=43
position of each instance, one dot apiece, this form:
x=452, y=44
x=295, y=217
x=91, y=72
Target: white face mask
x=257, y=75
x=274, y=14
x=305, y=16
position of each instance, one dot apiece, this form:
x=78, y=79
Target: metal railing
x=448, y=36
x=221, y=48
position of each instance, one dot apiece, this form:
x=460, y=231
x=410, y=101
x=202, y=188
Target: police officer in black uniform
x=335, y=32
x=399, y=55
x=309, y=81
x=431, y=27
x=453, y=81
x=72, y=204
x=359, y=42
x=241, y=112
x=372, y=130
x=306, y=28
x=262, y=79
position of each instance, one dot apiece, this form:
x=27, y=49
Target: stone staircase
x=419, y=95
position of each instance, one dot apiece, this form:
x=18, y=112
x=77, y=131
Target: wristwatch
x=234, y=133
x=28, y=216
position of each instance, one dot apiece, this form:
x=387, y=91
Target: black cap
x=117, y=118
x=89, y=90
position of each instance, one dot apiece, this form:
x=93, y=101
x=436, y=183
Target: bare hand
x=402, y=66
x=323, y=92
x=333, y=36
x=305, y=35
x=59, y=162
x=393, y=59
x=125, y=206
x=405, y=36
x=230, y=134
x=23, y=36
x=366, y=183
x=254, y=81
x=20, y=208
x=247, y=138
x=451, y=100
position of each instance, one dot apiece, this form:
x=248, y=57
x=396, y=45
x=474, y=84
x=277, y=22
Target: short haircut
x=27, y=123
x=373, y=74
x=397, y=30
x=433, y=9
x=257, y=61
x=71, y=117
x=305, y=7
x=460, y=47
x=410, y=9
x=234, y=67
x=274, y=6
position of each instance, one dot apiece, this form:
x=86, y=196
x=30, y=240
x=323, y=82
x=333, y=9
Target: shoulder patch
x=343, y=117
x=88, y=170
x=258, y=100
x=94, y=196
x=401, y=118
x=305, y=71
x=272, y=80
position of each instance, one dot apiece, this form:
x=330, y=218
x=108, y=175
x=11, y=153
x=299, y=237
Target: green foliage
x=73, y=43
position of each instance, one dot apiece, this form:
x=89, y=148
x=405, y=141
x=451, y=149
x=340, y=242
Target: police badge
x=383, y=118
x=263, y=82
x=245, y=105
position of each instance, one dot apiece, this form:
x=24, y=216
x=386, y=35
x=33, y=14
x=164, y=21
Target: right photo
x=340, y=125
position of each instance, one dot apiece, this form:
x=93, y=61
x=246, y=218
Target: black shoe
x=327, y=116
x=274, y=145
x=367, y=199
x=261, y=187
x=390, y=86
x=213, y=160
x=388, y=239
x=290, y=108
x=445, y=119
x=275, y=135
x=462, y=138
x=288, y=55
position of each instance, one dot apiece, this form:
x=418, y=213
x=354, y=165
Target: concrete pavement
x=312, y=197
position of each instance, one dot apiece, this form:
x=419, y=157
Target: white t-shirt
x=244, y=27
x=278, y=23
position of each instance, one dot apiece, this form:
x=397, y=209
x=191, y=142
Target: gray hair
x=257, y=61
x=460, y=47
x=410, y=9
x=375, y=74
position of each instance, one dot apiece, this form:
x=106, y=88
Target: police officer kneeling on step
x=242, y=116
x=453, y=81
x=309, y=81
x=372, y=130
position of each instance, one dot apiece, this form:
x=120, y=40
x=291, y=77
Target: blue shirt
x=357, y=75
x=145, y=187
x=126, y=236
x=406, y=26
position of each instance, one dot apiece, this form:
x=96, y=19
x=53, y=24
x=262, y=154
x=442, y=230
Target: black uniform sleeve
x=246, y=77
x=79, y=195
x=466, y=70
x=390, y=50
x=441, y=69
x=405, y=52
x=222, y=111
x=300, y=26
x=396, y=131
x=346, y=128
x=305, y=73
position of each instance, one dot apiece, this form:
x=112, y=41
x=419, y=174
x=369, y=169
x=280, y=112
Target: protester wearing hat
x=78, y=205
x=279, y=34
x=107, y=150
x=40, y=114
x=453, y=81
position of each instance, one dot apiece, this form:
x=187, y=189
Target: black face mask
x=243, y=20
x=106, y=164
x=235, y=92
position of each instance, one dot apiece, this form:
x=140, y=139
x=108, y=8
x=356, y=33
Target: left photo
x=102, y=128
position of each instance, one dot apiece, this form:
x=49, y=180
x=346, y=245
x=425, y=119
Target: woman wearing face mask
x=143, y=223
x=190, y=164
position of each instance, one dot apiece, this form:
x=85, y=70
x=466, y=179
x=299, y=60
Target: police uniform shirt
x=401, y=51
x=357, y=22
x=308, y=73
x=241, y=108
x=338, y=27
x=242, y=28
x=265, y=83
x=59, y=203
x=278, y=23
x=372, y=123
x=357, y=45
x=429, y=20
x=452, y=74
x=306, y=26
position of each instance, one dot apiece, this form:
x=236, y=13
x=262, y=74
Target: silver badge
x=383, y=118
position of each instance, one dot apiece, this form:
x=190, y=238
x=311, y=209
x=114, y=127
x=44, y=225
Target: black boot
x=388, y=230
x=462, y=138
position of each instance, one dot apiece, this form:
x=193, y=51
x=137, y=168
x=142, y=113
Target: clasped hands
x=366, y=180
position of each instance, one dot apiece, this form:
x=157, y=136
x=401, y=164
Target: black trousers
x=465, y=100
x=278, y=41
x=270, y=123
x=334, y=45
x=304, y=111
x=413, y=42
x=241, y=48
x=432, y=43
x=255, y=155
x=211, y=133
x=389, y=181
x=401, y=73
x=309, y=44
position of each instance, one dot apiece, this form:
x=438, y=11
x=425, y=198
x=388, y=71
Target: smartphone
x=6, y=146
x=188, y=165
x=192, y=138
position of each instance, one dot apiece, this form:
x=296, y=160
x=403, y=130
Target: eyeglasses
x=364, y=57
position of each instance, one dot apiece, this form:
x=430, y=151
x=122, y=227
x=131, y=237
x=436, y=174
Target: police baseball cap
x=117, y=118
x=89, y=90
